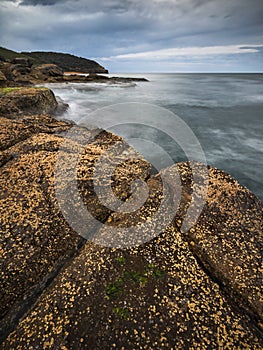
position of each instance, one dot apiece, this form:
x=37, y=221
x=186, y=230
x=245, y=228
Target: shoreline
x=29, y=146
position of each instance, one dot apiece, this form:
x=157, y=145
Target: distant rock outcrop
x=66, y=62
x=24, y=73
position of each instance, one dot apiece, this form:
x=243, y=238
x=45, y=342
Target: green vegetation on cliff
x=65, y=61
x=6, y=54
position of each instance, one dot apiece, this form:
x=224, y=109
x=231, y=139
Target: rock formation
x=15, y=102
x=23, y=73
x=196, y=289
x=66, y=62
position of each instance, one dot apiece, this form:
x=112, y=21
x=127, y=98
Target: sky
x=141, y=35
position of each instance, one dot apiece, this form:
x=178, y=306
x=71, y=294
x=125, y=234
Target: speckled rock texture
x=36, y=240
x=150, y=297
x=169, y=289
x=228, y=239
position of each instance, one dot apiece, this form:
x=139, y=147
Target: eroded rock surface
x=17, y=102
x=66, y=280
x=23, y=73
x=228, y=240
x=36, y=239
x=150, y=297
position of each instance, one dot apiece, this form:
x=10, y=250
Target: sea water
x=225, y=112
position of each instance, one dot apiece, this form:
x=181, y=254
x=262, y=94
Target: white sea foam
x=224, y=111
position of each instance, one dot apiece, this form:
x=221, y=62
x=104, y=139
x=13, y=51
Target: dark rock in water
x=127, y=79
x=16, y=102
x=62, y=107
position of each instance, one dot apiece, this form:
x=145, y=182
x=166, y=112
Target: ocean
x=224, y=112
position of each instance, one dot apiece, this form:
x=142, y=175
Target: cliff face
x=200, y=288
x=66, y=62
x=21, y=72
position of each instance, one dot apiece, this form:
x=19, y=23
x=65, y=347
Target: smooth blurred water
x=225, y=111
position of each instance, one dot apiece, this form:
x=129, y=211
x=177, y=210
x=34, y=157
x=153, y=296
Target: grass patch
x=115, y=289
x=136, y=277
x=7, y=90
x=121, y=260
x=158, y=273
x=122, y=312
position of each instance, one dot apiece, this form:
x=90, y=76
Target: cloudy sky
x=141, y=35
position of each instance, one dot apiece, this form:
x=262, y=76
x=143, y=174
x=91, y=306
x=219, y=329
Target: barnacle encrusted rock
x=153, y=296
x=36, y=239
x=227, y=237
x=68, y=283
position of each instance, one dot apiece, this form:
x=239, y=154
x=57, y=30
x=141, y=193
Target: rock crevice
x=174, y=290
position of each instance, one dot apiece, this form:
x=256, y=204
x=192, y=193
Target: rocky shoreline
x=21, y=72
x=198, y=289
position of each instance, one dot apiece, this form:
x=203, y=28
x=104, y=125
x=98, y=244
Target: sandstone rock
x=199, y=288
x=13, y=132
x=228, y=239
x=22, y=61
x=18, y=70
x=154, y=296
x=51, y=70
x=21, y=101
x=21, y=73
x=2, y=79
x=36, y=239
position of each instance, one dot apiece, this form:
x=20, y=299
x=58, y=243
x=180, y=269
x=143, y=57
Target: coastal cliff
x=66, y=62
x=202, y=287
x=21, y=72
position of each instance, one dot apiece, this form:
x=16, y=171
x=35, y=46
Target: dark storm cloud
x=112, y=28
x=40, y=2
